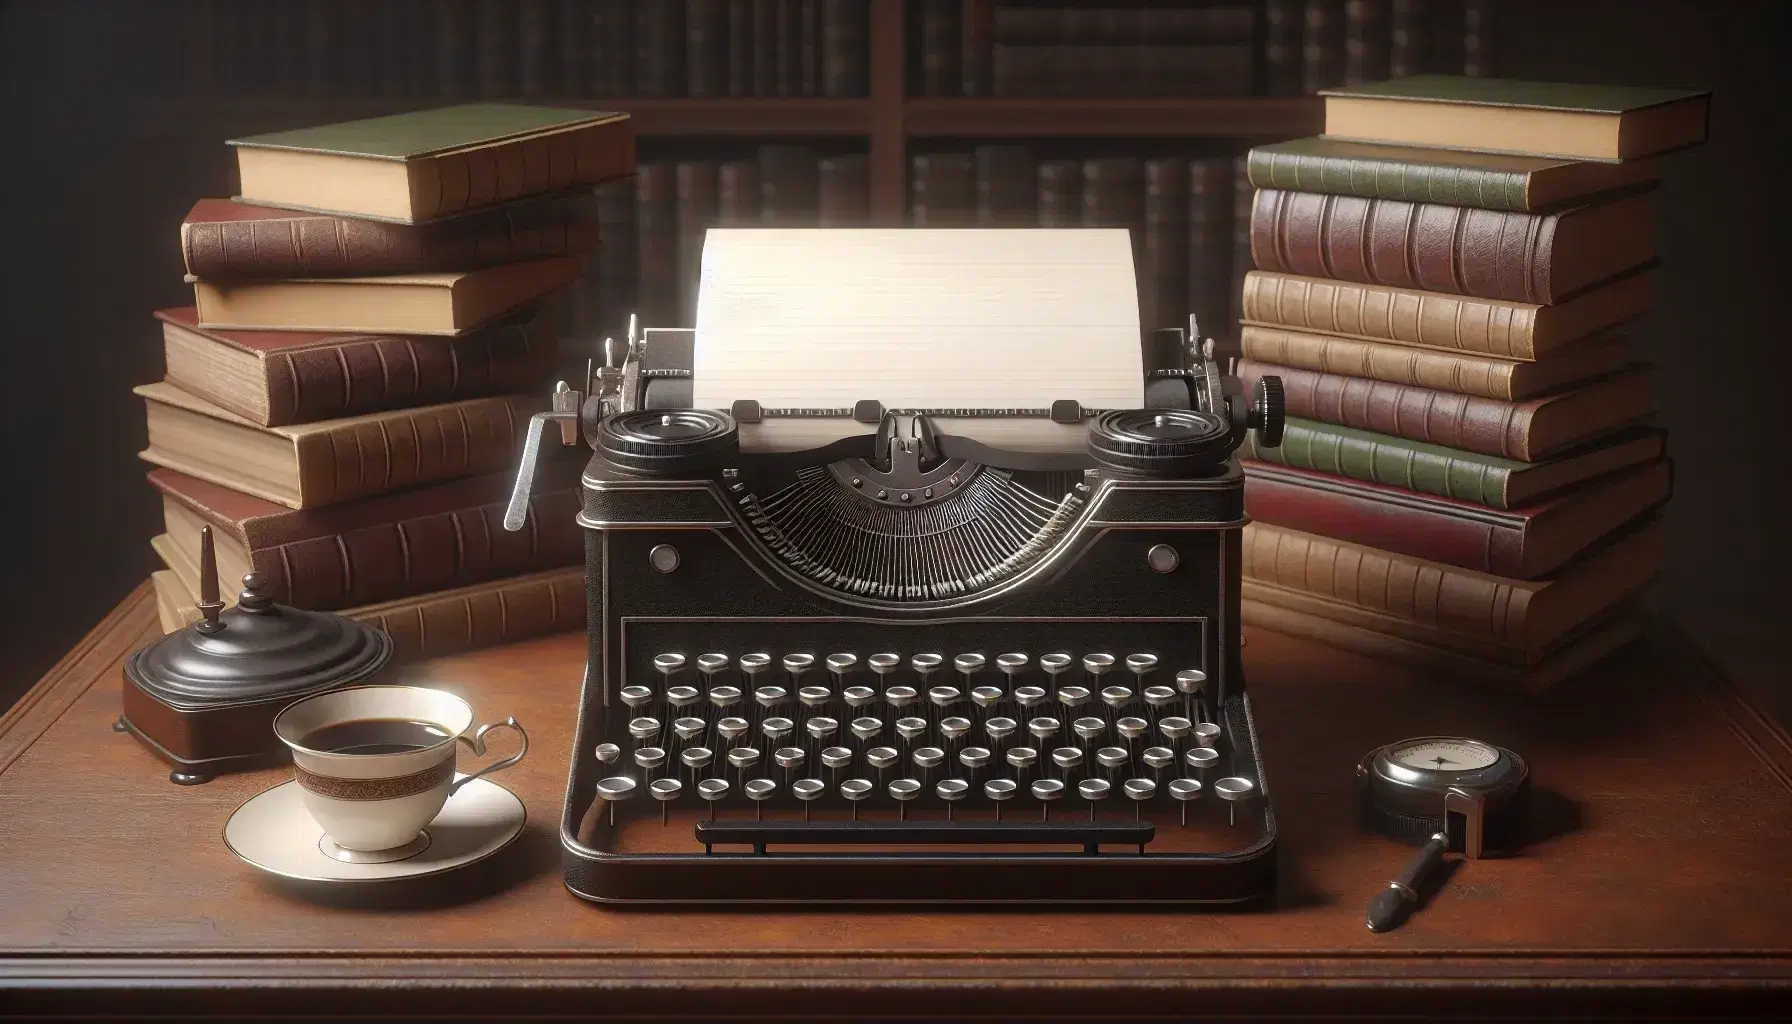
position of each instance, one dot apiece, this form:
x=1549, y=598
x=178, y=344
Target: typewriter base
x=643, y=860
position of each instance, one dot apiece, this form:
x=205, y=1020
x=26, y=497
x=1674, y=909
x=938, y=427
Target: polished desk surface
x=1659, y=879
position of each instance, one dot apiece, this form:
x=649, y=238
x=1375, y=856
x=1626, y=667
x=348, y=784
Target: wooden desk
x=1661, y=883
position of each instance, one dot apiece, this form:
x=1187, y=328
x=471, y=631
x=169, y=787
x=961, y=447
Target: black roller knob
x=668, y=441
x=1269, y=411
x=1159, y=442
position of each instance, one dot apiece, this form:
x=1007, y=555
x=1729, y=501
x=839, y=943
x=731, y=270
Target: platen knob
x=1269, y=411
x=671, y=441
x=1160, y=442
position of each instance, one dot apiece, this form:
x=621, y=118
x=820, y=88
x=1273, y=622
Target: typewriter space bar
x=1087, y=834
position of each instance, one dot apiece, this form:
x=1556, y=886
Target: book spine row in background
x=1189, y=219
x=1276, y=48
x=528, y=48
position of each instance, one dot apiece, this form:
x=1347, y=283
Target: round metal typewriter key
x=1202, y=760
x=643, y=728
x=1045, y=791
x=742, y=758
x=927, y=759
x=1192, y=682
x=1043, y=728
x=883, y=664
x=807, y=790
x=1022, y=758
x=650, y=758
x=999, y=791
x=1162, y=558
x=1097, y=665
x=1174, y=728
x=1131, y=728
x=724, y=696
x=776, y=728
x=841, y=667
x=867, y=728
x=1094, y=791
x=796, y=665
x=759, y=791
x=951, y=791
x=696, y=758
x=953, y=728
x=1012, y=665
x=858, y=696
x=911, y=729
x=1159, y=696
x=1158, y=758
x=1141, y=665
x=1112, y=758
x=834, y=759
x=681, y=696
x=1205, y=734
x=637, y=696
x=986, y=696
x=1234, y=790
x=710, y=664
x=855, y=790
x=925, y=665
x=814, y=696
x=712, y=790
x=900, y=696
x=769, y=697
x=1088, y=729
x=1140, y=790
x=607, y=753
x=732, y=729
x=613, y=791
x=1073, y=696
x=1029, y=697
x=902, y=791
x=1185, y=791
x=999, y=728
x=789, y=759
x=820, y=728
x=753, y=664
x=974, y=758
x=1055, y=664
x=688, y=728
x=881, y=758
x=665, y=791
x=968, y=665
x=668, y=665
x=1067, y=759
x=944, y=696
x=1116, y=697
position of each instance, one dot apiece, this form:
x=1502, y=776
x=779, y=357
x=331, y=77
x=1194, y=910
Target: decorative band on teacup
x=376, y=789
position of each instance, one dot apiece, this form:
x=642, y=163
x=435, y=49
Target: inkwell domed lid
x=256, y=651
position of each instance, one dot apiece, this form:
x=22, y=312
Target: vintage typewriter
x=911, y=653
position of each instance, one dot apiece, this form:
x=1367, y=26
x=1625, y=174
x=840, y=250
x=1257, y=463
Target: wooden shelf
x=1096, y=118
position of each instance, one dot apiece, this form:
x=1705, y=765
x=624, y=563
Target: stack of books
x=372, y=331
x=1470, y=478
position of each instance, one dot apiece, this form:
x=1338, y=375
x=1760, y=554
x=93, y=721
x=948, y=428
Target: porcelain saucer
x=273, y=832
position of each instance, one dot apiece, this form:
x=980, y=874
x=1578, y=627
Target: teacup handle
x=477, y=745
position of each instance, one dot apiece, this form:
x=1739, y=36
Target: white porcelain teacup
x=376, y=764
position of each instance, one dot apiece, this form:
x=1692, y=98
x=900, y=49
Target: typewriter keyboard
x=1063, y=749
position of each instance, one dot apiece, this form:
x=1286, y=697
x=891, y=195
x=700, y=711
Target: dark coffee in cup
x=374, y=736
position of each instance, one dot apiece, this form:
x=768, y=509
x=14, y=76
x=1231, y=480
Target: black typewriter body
x=914, y=668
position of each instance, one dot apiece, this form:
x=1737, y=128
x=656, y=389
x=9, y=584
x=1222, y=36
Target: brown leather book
x=381, y=548
x=1322, y=44
x=942, y=189
x=1527, y=431
x=1060, y=194
x=465, y=619
x=1524, y=331
x=1588, y=647
x=1456, y=372
x=976, y=44
x=789, y=186
x=278, y=378
x=939, y=47
x=1490, y=254
x=1527, y=615
x=226, y=241
x=447, y=304
x=1007, y=186
x=738, y=195
x=1281, y=46
x=335, y=460
x=845, y=183
x=844, y=25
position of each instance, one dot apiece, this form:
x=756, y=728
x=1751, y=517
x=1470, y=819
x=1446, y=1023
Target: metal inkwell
x=204, y=698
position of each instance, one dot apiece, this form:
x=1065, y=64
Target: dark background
x=94, y=179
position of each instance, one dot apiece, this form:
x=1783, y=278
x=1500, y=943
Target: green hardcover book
x=1500, y=115
x=428, y=164
x=1447, y=472
x=1487, y=181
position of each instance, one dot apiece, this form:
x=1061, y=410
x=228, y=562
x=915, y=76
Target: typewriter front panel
x=927, y=766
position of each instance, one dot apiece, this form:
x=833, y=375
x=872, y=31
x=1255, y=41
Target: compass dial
x=1444, y=755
